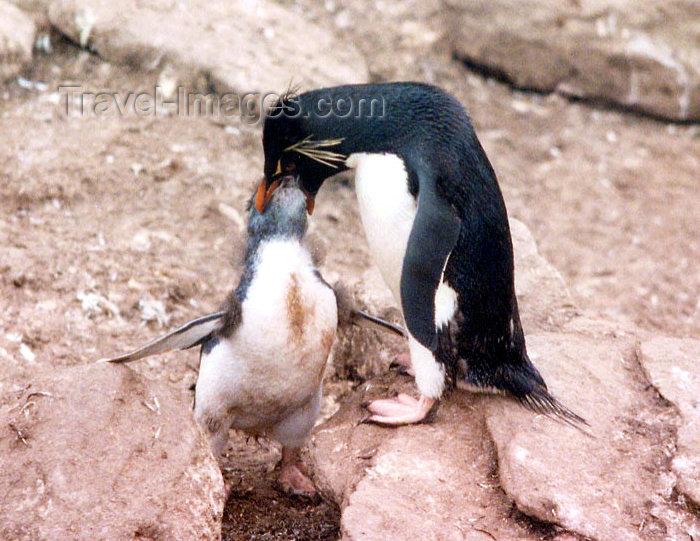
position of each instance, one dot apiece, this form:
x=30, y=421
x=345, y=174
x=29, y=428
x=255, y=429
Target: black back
x=431, y=132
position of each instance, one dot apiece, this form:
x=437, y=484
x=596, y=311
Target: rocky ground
x=115, y=227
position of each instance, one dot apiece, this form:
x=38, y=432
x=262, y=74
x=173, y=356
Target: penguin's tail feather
x=542, y=402
x=528, y=388
x=524, y=383
x=188, y=335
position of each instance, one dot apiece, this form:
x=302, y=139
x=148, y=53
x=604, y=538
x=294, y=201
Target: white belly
x=273, y=363
x=387, y=210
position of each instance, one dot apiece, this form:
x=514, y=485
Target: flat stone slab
x=639, y=55
x=16, y=40
x=600, y=486
x=672, y=366
x=98, y=452
x=430, y=481
x=244, y=47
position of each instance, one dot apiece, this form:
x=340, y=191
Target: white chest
x=274, y=361
x=387, y=210
x=287, y=310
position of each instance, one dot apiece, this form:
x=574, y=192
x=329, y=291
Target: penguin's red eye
x=288, y=168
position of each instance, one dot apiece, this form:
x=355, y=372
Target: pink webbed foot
x=403, y=362
x=293, y=478
x=402, y=410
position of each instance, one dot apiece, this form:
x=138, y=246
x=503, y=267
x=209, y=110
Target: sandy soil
x=103, y=218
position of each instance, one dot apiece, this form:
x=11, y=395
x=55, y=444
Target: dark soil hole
x=256, y=510
x=256, y=515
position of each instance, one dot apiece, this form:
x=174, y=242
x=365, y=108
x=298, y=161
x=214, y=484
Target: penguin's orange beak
x=264, y=193
x=310, y=201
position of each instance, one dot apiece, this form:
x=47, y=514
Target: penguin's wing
x=433, y=236
x=188, y=335
x=349, y=313
x=379, y=323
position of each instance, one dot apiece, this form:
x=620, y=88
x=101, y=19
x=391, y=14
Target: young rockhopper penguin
x=263, y=355
x=436, y=226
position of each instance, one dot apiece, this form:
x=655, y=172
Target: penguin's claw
x=293, y=482
x=293, y=478
x=402, y=410
x=403, y=363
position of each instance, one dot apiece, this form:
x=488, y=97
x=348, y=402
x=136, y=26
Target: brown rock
x=98, y=452
x=36, y=9
x=430, y=481
x=445, y=480
x=255, y=47
x=672, y=367
x=16, y=40
x=615, y=485
x=639, y=55
x=362, y=351
x=543, y=298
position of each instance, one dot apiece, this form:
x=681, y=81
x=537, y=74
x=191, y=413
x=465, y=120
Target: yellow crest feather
x=316, y=150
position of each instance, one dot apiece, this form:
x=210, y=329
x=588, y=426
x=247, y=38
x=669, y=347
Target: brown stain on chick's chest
x=327, y=339
x=296, y=311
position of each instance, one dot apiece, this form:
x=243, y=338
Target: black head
x=291, y=147
x=311, y=134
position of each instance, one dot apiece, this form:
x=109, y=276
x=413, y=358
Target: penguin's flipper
x=433, y=236
x=188, y=335
x=379, y=323
x=349, y=313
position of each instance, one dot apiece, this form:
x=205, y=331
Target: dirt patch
x=255, y=509
x=261, y=513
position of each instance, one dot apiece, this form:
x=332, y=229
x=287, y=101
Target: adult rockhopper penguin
x=436, y=226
